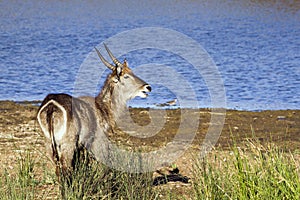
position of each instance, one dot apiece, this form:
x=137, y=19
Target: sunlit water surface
x=255, y=47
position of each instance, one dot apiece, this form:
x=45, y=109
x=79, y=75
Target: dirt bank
x=19, y=131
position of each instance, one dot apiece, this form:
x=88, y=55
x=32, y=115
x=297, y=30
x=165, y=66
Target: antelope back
x=67, y=123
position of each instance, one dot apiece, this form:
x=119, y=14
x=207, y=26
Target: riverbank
x=18, y=121
x=19, y=133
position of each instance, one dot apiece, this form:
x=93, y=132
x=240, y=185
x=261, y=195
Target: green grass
x=22, y=182
x=256, y=172
x=253, y=172
x=91, y=180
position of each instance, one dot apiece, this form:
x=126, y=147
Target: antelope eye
x=126, y=76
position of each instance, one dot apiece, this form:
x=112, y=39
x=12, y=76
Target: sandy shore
x=19, y=128
x=19, y=131
x=18, y=123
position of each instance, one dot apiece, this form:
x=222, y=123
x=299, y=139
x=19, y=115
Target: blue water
x=256, y=48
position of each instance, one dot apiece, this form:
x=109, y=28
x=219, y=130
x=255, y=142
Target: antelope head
x=125, y=84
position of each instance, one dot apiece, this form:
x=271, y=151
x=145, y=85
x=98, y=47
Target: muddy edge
x=19, y=129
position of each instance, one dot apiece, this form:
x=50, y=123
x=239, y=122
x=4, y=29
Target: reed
x=253, y=172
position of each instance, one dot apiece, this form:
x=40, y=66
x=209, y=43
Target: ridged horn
x=114, y=59
x=105, y=62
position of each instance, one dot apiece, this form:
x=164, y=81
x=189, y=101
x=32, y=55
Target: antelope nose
x=148, y=87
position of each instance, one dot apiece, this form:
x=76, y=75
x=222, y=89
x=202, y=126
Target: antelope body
x=70, y=123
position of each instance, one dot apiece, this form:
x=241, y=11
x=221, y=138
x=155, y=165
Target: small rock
x=281, y=117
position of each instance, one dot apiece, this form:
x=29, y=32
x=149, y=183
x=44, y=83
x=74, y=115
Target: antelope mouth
x=144, y=92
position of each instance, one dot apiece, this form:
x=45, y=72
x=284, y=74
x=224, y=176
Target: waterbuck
x=70, y=123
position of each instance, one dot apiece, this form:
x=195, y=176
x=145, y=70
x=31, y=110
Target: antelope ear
x=125, y=64
x=119, y=71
